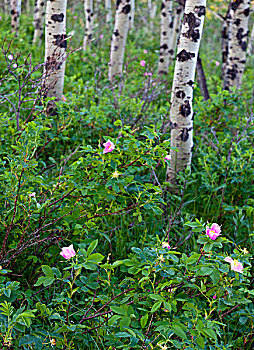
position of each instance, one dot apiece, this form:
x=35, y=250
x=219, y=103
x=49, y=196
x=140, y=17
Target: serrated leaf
x=156, y=306
x=178, y=331
x=143, y=320
x=47, y=270
x=92, y=246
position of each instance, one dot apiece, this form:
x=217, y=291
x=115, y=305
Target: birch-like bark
x=118, y=42
x=251, y=40
x=181, y=112
x=55, y=47
x=6, y=5
x=132, y=14
x=152, y=7
x=39, y=13
x=237, y=46
x=175, y=32
x=15, y=14
x=88, y=8
x=108, y=10
x=166, y=19
x=225, y=37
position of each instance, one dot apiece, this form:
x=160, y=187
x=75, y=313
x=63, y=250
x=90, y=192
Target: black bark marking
x=126, y=9
x=58, y=17
x=237, y=22
x=200, y=10
x=164, y=47
x=180, y=94
x=116, y=32
x=193, y=22
x=161, y=60
x=242, y=43
x=185, y=109
x=185, y=134
x=185, y=56
x=191, y=83
x=60, y=40
x=232, y=73
x=236, y=4
x=246, y=12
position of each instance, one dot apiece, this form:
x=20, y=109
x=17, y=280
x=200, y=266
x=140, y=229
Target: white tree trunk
x=55, y=47
x=237, y=46
x=39, y=12
x=152, y=7
x=88, y=7
x=119, y=38
x=175, y=32
x=15, y=14
x=166, y=19
x=132, y=14
x=108, y=10
x=251, y=40
x=181, y=112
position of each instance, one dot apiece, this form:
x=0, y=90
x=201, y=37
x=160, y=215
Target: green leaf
x=156, y=297
x=167, y=306
x=96, y=258
x=47, y=271
x=46, y=281
x=210, y=332
x=205, y=271
x=192, y=259
x=200, y=342
x=113, y=319
x=120, y=310
x=156, y=306
x=92, y=246
x=178, y=331
x=208, y=247
x=215, y=276
x=143, y=320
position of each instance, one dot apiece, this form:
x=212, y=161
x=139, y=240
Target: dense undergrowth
x=124, y=288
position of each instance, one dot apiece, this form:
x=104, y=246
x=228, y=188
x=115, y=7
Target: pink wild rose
x=145, y=51
x=217, y=63
x=214, y=231
x=143, y=63
x=109, y=147
x=168, y=157
x=235, y=264
x=165, y=245
x=64, y=98
x=215, y=296
x=75, y=17
x=101, y=36
x=68, y=252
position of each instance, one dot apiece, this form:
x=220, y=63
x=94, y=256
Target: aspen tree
x=166, y=19
x=118, y=42
x=251, y=40
x=55, y=47
x=6, y=5
x=225, y=35
x=132, y=14
x=237, y=45
x=39, y=12
x=181, y=113
x=88, y=8
x=15, y=14
x=108, y=10
x=152, y=7
x=175, y=31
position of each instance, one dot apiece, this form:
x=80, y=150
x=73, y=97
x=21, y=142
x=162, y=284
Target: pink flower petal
x=143, y=63
x=228, y=259
x=68, y=252
x=109, y=147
